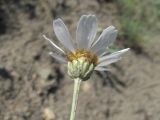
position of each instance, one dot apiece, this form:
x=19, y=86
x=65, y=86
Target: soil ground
x=33, y=86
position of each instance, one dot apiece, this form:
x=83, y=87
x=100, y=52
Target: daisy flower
x=87, y=54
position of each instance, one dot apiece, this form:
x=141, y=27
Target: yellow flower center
x=87, y=55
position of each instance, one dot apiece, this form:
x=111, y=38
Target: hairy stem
x=77, y=83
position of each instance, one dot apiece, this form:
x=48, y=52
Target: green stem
x=77, y=83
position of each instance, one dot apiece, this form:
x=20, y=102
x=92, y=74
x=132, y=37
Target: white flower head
x=88, y=54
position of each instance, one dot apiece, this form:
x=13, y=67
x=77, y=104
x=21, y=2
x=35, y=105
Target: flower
x=88, y=54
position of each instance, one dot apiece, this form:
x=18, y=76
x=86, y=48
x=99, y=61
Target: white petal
x=58, y=58
x=108, y=61
x=52, y=43
x=101, y=52
x=107, y=37
x=101, y=69
x=113, y=55
x=86, y=31
x=63, y=34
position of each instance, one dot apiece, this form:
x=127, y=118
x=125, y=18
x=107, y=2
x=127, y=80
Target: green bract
x=80, y=69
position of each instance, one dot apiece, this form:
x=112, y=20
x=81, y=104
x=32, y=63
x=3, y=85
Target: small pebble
x=48, y=114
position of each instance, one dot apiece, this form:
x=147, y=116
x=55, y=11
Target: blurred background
x=34, y=86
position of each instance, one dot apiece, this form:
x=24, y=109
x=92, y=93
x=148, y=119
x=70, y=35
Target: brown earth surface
x=33, y=86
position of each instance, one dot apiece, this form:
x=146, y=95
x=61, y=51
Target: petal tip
x=50, y=53
x=125, y=50
x=44, y=36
